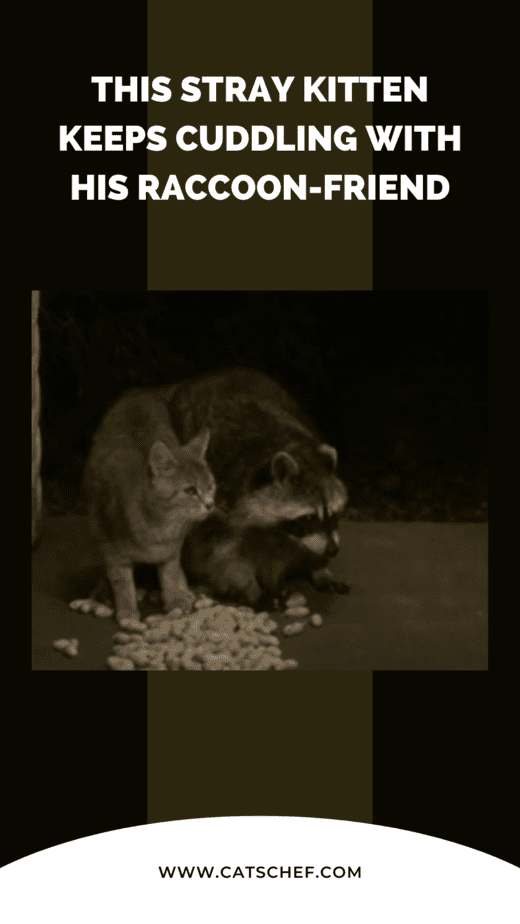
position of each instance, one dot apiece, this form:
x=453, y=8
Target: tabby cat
x=144, y=493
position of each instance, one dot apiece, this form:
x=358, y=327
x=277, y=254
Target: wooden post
x=35, y=423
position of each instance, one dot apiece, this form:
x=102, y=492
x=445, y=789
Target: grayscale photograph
x=259, y=480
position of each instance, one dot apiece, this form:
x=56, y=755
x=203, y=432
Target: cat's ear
x=283, y=465
x=160, y=458
x=199, y=444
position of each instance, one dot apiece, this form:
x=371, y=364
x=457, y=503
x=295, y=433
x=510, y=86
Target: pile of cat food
x=213, y=637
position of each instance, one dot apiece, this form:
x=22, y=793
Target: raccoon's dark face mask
x=318, y=535
x=311, y=523
x=296, y=482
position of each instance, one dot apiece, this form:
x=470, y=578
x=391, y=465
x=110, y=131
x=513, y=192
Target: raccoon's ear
x=329, y=451
x=199, y=444
x=160, y=458
x=283, y=465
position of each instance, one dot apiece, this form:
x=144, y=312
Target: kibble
x=154, y=621
x=69, y=646
x=293, y=611
x=102, y=611
x=157, y=665
x=123, y=638
x=133, y=625
x=159, y=634
x=120, y=664
x=293, y=628
x=92, y=606
x=213, y=637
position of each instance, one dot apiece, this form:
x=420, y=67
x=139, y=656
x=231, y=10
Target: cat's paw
x=183, y=600
x=131, y=623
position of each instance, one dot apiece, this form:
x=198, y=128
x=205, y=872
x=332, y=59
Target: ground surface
x=418, y=600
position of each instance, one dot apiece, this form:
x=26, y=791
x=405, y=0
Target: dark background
x=397, y=382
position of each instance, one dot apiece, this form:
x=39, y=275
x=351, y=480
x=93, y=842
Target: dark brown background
x=257, y=244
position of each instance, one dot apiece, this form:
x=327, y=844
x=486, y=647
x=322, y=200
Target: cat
x=144, y=492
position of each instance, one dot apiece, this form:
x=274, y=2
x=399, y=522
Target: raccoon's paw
x=324, y=581
x=338, y=587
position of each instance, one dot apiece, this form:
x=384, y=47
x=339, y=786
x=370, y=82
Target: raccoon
x=257, y=563
x=278, y=496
